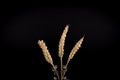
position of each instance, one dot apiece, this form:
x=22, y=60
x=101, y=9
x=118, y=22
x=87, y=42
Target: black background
x=22, y=27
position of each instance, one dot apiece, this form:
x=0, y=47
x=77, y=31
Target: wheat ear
x=46, y=52
x=62, y=41
x=74, y=50
x=47, y=55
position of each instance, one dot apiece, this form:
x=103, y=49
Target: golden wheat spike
x=75, y=49
x=62, y=42
x=46, y=52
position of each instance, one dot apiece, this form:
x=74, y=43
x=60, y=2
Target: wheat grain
x=62, y=42
x=46, y=52
x=75, y=49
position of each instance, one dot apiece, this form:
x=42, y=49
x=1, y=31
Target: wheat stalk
x=61, y=48
x=74, y=50
x=47, y=55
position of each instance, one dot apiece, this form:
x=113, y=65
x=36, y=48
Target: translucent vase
x=64, y=70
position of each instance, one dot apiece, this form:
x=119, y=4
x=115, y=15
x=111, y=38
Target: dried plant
x=46, y=53
x=62, y=42
x=48, y=58
x=61, y=48
x=74, y=50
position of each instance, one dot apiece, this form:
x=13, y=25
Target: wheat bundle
x=48, y=57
